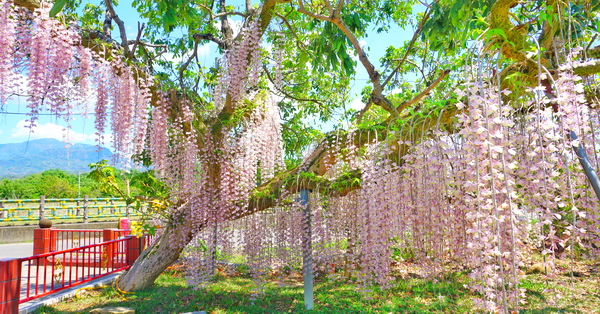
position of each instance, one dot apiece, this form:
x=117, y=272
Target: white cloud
x=49, y=130
x=203, y=51
x=357, y=104
x=395, y=91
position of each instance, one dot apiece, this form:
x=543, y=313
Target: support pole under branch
x=586, y=165
x=307, y=250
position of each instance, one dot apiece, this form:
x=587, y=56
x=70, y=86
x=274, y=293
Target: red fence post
x=43, y=241
x=109, y=235
x=10, y=276
x=134, y=249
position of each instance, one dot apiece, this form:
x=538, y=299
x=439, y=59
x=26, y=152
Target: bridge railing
x=64, y=208
x=50, y=270
x=47, y=240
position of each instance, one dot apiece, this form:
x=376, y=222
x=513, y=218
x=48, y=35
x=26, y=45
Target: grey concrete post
x=85, y=209
x=42, y=206
x=307, y=250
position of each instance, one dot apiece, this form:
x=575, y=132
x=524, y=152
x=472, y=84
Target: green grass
x=411, y=295
x=235, y=295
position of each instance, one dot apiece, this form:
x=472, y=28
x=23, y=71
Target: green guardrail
x=64, y=208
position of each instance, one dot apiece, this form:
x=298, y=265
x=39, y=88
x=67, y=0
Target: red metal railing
x=122, y=232
x=67, y=239
x=51, y=272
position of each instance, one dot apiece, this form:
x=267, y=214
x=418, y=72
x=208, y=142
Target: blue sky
x=12, y=116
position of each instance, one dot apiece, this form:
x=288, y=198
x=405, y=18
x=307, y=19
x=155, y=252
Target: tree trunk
x=156, y=258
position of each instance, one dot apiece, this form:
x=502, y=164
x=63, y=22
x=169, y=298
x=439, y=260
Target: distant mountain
x=20, y=159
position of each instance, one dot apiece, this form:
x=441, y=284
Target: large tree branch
x=549, y=29
x=267, y=11
x=226, y=30
x=312, y=173
x=587, y=68
x=141, y=27
x=212, y=38
x=29, y=4
x=120, y=24
x=377, y=96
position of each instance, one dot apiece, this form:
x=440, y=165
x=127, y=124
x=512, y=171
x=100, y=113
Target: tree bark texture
x=156, y=258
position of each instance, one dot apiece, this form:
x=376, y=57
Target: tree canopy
x=449, y=164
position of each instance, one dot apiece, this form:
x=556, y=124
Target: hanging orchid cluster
x=43, y=61
x=240, y=67
x=475, y=200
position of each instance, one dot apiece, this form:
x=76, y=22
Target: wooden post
x=78, y=211
x=85, y=209
x=10, y=285
x=42, y=206
x=2, y=213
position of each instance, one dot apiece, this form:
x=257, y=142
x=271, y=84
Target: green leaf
x=497, y=32
x=57, y=7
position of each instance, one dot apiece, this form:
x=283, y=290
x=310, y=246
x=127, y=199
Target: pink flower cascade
x=7, y=39
x=246, y=158
x=241, y=67
x=62, y=77
x=475, y=200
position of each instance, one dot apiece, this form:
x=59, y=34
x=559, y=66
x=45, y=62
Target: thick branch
x=137, y=40
x=187, y=63
x=267, y=11
x=30, y=4
x=122, y=32
x=377, y=96
x=512, y=44
x=226, y=30
x=587, y=68
x=594, y=52
x=549, y=29
x=212, y=38
x=324, y=156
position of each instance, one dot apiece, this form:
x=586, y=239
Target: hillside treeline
x=57, y=183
